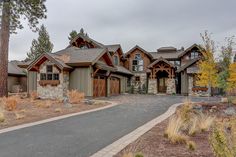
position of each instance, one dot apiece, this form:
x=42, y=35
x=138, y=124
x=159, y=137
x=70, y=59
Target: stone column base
x=152, y=86
x=171, y=88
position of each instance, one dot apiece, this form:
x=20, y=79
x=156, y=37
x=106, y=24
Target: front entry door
x=162, y=85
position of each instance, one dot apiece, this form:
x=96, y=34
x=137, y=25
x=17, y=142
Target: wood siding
x=81, y=80
x=146, y=60
x=184, y=83
x=32, y=81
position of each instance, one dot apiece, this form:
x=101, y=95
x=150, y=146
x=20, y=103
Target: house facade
x=100, y=70
x=168, y=70
x=85, y=65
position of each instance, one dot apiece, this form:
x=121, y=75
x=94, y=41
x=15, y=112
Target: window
x=55, y=76
x=194, y=54
x=49, y=75
x=43, y=76
x=137, y=78
x=49, y=68
x=137, y=64
x=116, y=60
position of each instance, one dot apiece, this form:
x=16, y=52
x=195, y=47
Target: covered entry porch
x=161, y=77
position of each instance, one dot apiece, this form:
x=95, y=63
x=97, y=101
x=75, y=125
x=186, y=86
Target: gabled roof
x=189, y=49
x=123, y=70
x=188, y=64
x=160, y=60
x=166, y=54
x=14, y=69
x=88, y=39
x=77, y=55
x=60, y=64
x=139, y=48
x=113, y=48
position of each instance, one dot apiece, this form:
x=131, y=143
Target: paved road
x=83, y=135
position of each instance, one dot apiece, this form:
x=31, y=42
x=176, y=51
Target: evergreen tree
x=207, y=66
x=226, y=59
x=11, y=12
x=72, y=35
x=41, y=45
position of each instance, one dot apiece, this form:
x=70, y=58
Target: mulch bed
x=28, y=111
x=154, y=144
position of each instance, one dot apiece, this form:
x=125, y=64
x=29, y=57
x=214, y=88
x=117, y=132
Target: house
x=17, y=80
x=85, y=65
x=168, y=70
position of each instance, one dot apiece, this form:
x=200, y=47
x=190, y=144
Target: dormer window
x=116, y=60
x=194, y=54
x=137, y=64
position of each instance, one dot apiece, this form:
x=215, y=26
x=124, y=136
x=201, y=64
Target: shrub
x=173, y=131
x=33, y=95
x=191, y=145
x=10, y=103
x=2, y=116
x=131, y=155
x=75, y=96
x=185, y=110
x=205, y=122
x=58, y=110
x=193, y=126
x=223, y=140
x=19, y=116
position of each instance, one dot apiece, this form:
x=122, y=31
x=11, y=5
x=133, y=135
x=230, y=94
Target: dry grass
x=10, y=103
x=44, y=104
x=128, y=155
x=173, y=130
x=2, y=116
x=185, y=110
x=19, y=116
x=75, y=96
x=58, y=110
x=205, y=122
x=191, y=145
x=33, y=95
x=193, y=126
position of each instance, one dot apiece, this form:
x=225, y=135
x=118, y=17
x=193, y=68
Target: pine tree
x=41, y=45
x=72, y=35
x=207, y=65
x=226, y=59
x=11, y=12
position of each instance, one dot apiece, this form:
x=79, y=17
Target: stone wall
x=171, y=87
x=152, y=86
x=141, y=86
x=53, y=92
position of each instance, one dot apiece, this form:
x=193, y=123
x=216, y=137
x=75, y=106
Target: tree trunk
x=4, y=44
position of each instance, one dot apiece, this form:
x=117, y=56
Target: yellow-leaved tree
x=207, y=75
x=232, y=77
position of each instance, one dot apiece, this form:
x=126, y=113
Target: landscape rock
x=230, y=111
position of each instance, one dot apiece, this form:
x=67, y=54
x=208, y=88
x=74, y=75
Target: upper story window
x=194, y=54
x=137, y=64
x=49, y=75
x=116, y=60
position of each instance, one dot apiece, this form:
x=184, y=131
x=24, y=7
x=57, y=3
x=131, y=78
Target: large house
x=101, y=70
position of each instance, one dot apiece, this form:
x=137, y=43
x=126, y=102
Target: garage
x=114, y=86
x=99, y=86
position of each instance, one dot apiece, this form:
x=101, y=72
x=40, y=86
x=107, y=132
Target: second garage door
x=114, y=86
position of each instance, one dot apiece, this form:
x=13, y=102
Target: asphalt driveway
x=83, y=135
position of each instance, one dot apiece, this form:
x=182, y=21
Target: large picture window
x=137, y=64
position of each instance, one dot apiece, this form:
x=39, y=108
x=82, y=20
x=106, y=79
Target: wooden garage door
x=99, y=86
x=114, y=86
